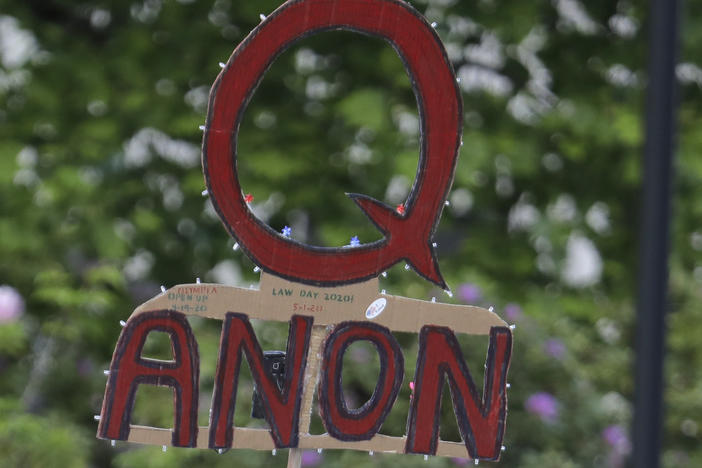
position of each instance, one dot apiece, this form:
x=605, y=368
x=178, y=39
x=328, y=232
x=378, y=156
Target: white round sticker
x=376, y=308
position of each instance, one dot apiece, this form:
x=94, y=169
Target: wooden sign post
x=329, y=296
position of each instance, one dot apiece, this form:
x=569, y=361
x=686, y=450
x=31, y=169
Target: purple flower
x=311, y=458
x=11, y=304
x=513, y=312
x=617, y=438
x=460, y=461
x=470, y=293
x=544, y=405
x=555, y=348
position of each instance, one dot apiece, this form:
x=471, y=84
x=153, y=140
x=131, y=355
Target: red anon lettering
x=281, y=408
x=480, y=420
x=408, y=235
x=362, y=423
x=129, y=369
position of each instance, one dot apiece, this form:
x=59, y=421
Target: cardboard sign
x=320, y=332
x=329, y=296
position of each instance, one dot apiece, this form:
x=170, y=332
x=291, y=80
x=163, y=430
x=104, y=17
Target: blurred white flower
x=461, y=201
x=522, y=216
x=17, y=45
x=624, y=26
x=488, y=53
x=317, y=88
x=689, y=73
x=226, y=272
x=573, y=15
x=147, y=142
x=197, y=98
x=138, y=266
x=597, y=217
x=608, y=330
x=583, y=264
x=477, y=78
x=621, y=76
x=563, y=210
x=307, y=61
x=397, y=190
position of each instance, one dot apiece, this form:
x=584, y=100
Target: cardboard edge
x=259, y=439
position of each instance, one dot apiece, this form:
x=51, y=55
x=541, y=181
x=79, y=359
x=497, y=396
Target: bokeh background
x=101, y=203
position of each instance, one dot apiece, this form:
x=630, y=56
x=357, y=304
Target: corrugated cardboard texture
x=278, y=299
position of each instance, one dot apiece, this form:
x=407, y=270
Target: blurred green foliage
x=100, y=204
